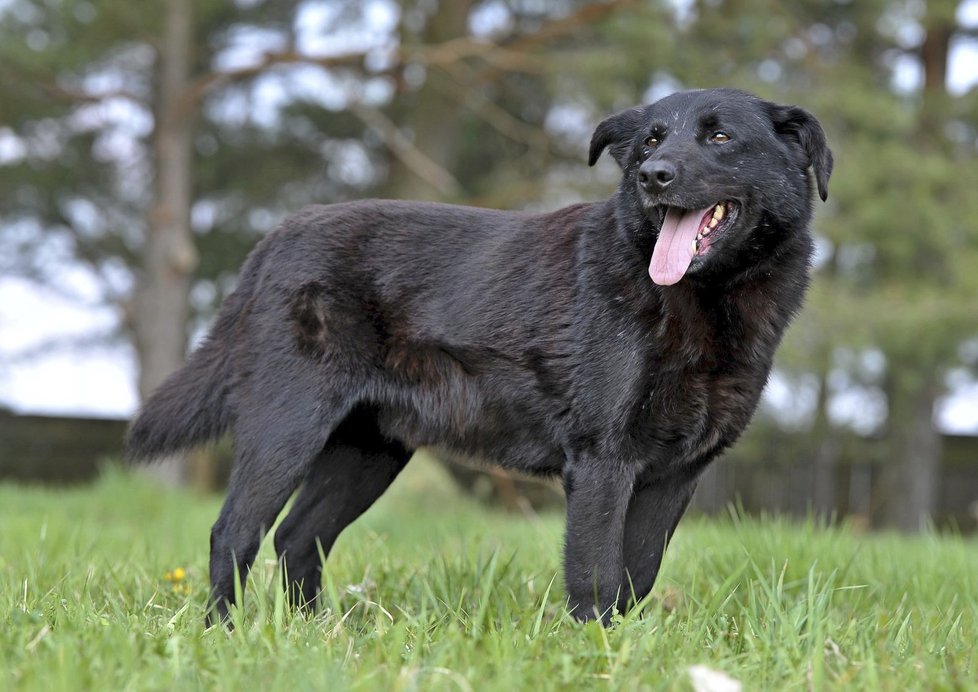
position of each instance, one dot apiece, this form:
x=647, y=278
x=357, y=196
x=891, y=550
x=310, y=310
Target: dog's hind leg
x=354, y=470
x=653, y=513
x=275, y=446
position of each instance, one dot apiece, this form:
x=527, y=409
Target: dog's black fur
x=362, y=331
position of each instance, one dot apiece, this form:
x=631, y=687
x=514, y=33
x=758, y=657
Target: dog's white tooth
x=718, y=212
x=693, y=246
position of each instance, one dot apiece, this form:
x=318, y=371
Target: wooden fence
x=768, y=471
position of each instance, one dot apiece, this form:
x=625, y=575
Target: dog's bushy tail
x=191, y=406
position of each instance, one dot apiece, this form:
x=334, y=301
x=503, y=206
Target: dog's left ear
x=616, y=133
x=805, y=130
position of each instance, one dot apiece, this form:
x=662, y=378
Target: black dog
x=362, y=331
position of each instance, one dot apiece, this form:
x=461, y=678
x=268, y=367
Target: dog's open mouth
x=687, y=234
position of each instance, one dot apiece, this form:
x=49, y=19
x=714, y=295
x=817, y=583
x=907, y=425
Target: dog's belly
x=517, y=447
x=467, y=421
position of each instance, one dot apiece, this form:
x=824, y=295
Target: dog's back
x=403, y=302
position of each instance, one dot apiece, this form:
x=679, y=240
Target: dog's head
x=718, y=173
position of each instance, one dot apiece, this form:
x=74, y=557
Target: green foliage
x=902, y=223
x=77, y=108
x=899, y=274
x=429, y=591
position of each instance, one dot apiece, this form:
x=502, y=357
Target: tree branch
x=201, y=86
x=457, y=49
x=402, y=147
x=496, y=117
x=585, y=16
x=508, y=54
x=46, y=83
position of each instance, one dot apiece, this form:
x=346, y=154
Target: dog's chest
x=691, y=413
x=703, y=381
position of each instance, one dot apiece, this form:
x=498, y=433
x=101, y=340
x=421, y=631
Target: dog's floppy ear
x=802, y=127
x=616, y=133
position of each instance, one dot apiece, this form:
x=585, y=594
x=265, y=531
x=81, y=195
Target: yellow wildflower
x=176, y=578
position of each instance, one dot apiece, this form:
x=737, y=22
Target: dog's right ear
x=616, y=133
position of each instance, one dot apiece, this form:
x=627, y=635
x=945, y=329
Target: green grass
x=431, y=591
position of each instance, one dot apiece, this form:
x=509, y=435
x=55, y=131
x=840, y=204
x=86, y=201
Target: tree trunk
x=909, y=487
x=939, y=25
x=912, y=480
x=711, y=493
x=432, y=113
x=169, y=257
x=826, y=450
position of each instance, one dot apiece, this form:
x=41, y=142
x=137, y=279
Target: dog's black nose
x=655, y=176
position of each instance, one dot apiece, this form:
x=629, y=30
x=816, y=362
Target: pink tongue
x=673, y=250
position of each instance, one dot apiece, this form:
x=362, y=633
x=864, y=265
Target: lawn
x=432, y=591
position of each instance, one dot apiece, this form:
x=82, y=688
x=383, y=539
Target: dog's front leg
x=655, y=508
x=597, y=504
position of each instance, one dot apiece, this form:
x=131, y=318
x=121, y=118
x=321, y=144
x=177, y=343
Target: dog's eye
x=719, y=137
x=652, y=141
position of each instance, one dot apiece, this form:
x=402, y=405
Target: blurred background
x=146, y=147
